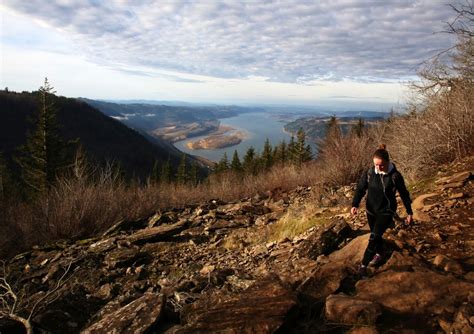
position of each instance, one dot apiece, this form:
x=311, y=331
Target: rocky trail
x=212, y=268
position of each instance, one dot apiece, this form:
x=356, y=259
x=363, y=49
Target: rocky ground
x=213, y=268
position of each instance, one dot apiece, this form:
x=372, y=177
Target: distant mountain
x=104, y=138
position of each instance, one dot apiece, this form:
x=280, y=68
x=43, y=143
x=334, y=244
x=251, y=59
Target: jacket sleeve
x=360, y=190
x=404, y=194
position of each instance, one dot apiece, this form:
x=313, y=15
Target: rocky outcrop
x=210, y=268
x=261, y=308
x=139, y=316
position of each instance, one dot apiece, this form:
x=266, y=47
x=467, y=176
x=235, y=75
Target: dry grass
x=296, y=221
x=81, y=205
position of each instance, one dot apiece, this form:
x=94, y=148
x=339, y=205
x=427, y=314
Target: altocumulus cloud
x=286, y=41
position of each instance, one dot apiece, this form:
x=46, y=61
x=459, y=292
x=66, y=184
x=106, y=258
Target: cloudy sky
x=221, y=51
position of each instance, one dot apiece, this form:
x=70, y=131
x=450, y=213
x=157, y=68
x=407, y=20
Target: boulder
x=325, y=239
x=353, y=252
x=414, y=292
x=121, y=257
x=324, y=281
x=349, y=310
x=399, y=261
x=139, y=316
x=363, y=330
x=259, y=309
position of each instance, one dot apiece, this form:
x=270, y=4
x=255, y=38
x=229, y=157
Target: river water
x=258, y=126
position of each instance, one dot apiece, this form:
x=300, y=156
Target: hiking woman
x=381, y=183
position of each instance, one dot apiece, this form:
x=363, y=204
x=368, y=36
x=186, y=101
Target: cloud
x=284, y=41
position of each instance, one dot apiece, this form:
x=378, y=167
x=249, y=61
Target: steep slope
x=209, y=268
x=103, y=138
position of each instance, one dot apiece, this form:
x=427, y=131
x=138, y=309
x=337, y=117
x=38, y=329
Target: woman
x=381, y=182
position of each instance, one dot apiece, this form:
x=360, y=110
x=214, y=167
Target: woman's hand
x=354, y=211
x=409, y=219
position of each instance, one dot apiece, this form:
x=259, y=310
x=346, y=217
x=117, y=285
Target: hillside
x=103, y=138
x=215, y=266
x=315, y=127
x=172, y=123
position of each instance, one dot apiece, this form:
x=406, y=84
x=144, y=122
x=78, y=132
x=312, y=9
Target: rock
x=207, y=270
x=463, y=323
x=400, y=261
x=452, y=185
x=458, y=177
x=324, y=281
x=353, y=252
x=414, y=292
x=443, y=262
x=103, y=245
x=350, y=310
x=418, y=203
x=124, y=225
x=259, y=309
x=139, y=316
x=158, y=233
x=421, y=216
x=363, y=330
x=457, y=196
x=325, y=240
x=121, y=257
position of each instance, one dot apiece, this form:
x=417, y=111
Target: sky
x=272, y=52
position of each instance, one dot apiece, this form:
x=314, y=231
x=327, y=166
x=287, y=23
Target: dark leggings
x=378, y=226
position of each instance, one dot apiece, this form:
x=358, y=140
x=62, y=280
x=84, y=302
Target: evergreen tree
x=165, y=176
x=223, y=164
x=155, y=172
x=359, y=128
x=236, y=165
x=302, y=151
x=45, y=154
x=291, y=150
x=267, y=155
x=193, y=174
x=250, y=161
x=280, y=154
x=181, y=173
x=4, y=179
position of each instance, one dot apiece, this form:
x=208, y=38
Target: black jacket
x=381, y=192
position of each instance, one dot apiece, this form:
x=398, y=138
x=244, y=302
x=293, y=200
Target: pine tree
x=155, y=172
x=45, y=154
x=193, y=174
x=181, y=173
x=236, y=165
x=280, y=154
x=250, y=159
x=302, y=152
x=292, y=150
x=165, y=176
x=267, y=155
x=223, y=164
x=4, y=179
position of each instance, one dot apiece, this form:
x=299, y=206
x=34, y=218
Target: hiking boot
x=362, y=271
x=375, y=260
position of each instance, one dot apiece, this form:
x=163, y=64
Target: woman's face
x=381, y=164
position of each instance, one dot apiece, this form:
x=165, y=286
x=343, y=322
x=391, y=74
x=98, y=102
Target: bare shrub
x=342, y=158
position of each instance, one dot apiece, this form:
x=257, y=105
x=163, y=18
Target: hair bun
x=382, y=147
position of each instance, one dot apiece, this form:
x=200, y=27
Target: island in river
x=225, y=136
